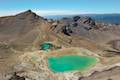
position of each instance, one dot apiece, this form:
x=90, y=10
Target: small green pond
x=46, y=46
x=70, y=63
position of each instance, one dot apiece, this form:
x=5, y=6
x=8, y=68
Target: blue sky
x=60, y=7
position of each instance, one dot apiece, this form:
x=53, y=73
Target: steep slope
x=16, y=34
x=22, y=35
x=21, y=29
x=99, y=33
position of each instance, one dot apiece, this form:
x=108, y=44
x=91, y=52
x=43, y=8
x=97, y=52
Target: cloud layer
x=48, y=12
x=42, y=12
x=56, y=12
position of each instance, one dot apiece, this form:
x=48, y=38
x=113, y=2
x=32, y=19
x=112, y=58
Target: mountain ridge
x=105, y=18
x=22, y=35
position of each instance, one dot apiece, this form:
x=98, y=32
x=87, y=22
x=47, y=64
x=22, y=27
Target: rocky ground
x=21, y=57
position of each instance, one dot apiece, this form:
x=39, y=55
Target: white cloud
x=10, y=12
x=41, y=12
x=48, y=12
x=56, y=12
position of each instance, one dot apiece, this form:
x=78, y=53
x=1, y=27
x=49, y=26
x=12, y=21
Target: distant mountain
x=101, y=33
x=106, y=18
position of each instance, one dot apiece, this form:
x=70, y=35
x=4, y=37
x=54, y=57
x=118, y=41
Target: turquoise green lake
x=46, y=46
x=70, y=63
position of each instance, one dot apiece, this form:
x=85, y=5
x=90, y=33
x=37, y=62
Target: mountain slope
x=99, y=33
x=22, y=35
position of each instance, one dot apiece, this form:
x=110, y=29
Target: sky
x=59, y=7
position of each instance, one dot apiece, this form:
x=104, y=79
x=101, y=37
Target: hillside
x=86, y=27
x=27, y=41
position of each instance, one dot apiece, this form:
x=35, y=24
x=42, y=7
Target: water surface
x=71, y=63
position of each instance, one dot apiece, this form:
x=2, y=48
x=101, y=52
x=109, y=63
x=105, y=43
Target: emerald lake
x=46, y=46
x=71, y=63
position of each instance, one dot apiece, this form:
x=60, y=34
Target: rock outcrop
x=110, y=74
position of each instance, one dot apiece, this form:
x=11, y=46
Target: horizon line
x=52, y=12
